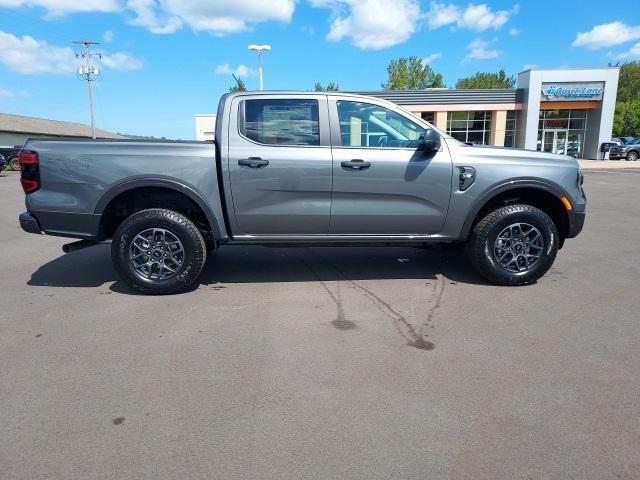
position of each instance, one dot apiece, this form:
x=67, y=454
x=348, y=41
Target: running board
x=79, y=245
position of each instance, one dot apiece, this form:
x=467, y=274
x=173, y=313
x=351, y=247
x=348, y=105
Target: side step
x=79, y=245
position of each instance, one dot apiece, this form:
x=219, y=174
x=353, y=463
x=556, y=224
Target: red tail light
x=29, y=171
x=28, y=158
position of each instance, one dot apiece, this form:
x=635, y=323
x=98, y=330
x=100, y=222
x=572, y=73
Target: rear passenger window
x=280, y=122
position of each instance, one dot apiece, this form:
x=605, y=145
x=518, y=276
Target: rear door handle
x=253, y=162
x=356, y=164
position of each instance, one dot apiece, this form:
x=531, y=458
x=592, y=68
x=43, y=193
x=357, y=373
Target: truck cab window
x=280, y=121
x=368, y=125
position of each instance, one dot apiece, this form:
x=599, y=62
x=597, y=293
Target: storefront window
x=470, y=126
x=510, y=129
x=427, y=116
x=562, y=131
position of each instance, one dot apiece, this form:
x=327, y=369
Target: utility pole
x=87, y=71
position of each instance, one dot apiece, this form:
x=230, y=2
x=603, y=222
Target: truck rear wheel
x=514, y=245
x=158, y=252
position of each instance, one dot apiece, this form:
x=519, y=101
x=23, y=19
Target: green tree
x=487, y=80
x=411, y=74
x=239, y=86
x=629, y=82
x=626, y=120
x=331, y=87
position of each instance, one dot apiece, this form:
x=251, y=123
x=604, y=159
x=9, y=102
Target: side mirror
x=431, y=141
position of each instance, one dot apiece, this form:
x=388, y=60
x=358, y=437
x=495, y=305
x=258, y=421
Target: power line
x=88, y=72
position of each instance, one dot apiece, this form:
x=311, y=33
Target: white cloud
x=632, y=54
x=56, y=8
x=479, y=50
x=217, y=18
x=4, y=93
x=240, y=71
x=29, y=56
x=308, y=30
x=431, y=58
x=480, y=17
x=607, y=35
x=121, y=61
x=152, y=17
x=530, y=66
x=372, y=24
x=476, y=18
x=440, y=15
x=107, y=37
x=514, y=32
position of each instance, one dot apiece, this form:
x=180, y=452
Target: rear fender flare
x=166, y=183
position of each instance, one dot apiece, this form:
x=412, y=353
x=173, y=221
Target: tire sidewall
x=530, y=216
x=178, y=225
x=14, y=164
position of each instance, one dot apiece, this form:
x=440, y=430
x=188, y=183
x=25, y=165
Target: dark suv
x=630, y=150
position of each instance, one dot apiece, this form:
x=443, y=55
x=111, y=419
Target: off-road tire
x=14, y=164
x=484, y=234
x=195, y=251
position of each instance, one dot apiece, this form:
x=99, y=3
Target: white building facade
x=205, y=126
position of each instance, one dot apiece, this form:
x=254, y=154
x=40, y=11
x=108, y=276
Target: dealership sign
x=572, y=91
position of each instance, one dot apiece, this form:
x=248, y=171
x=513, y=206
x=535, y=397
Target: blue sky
x=164, y=61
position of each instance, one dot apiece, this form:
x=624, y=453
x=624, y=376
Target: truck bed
x=80, y=177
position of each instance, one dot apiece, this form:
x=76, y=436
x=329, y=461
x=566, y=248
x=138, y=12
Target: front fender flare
x=555, y=190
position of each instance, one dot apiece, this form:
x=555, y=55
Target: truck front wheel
x=158, y=252
x=514, y=245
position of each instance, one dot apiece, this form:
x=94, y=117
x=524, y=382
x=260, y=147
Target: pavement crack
x=414, y=338
x=340, y=322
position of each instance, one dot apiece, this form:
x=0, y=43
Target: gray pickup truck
x=301, y=168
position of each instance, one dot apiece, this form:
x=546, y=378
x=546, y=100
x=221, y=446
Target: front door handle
x=253, y=162
x=356, y=164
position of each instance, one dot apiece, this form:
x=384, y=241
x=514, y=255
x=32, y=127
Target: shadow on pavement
x=92, y=267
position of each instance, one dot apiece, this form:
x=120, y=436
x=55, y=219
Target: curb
x=608, y=164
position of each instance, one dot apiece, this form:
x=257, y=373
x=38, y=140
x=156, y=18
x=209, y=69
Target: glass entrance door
x=555, y=141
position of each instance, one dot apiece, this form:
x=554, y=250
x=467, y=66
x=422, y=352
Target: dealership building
x=567, y=111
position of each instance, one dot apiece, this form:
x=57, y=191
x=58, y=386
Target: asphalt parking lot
x=351, y=363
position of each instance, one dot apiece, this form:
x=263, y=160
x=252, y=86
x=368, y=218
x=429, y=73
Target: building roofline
x=568, y=68
x=60, y=125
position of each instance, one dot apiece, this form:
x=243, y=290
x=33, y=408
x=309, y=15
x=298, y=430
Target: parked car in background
x=629, y=151
x=11, y=156
x=3, y=162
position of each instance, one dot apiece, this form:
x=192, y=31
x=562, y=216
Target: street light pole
x=260, y=49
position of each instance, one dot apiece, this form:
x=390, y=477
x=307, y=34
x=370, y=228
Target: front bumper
x=29, y=223
x=576, y=223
